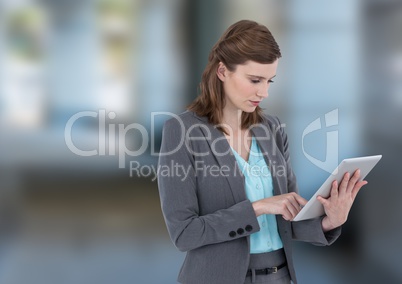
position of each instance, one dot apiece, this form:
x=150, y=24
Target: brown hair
x=244, y=40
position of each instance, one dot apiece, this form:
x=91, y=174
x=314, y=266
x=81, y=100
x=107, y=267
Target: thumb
x=322, y=200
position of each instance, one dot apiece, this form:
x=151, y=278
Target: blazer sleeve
x=180, y=206
x=308, y=230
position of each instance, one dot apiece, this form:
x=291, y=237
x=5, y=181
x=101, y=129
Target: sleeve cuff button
x=249, y=228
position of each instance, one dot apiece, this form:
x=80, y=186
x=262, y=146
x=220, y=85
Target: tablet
x=314, y=208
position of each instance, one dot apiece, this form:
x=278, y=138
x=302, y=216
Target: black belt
x=268, y=270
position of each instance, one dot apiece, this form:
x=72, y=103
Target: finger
x=334, y=189
x=354, y=180
x=356, y=174
x=357, y=188
x=298, y=203
x=292, y=201
x=287, y=215
x=344, y=183
x=300, y=200
x=293, y=206
x=286, y=218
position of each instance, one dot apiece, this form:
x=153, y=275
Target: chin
x=249, y=109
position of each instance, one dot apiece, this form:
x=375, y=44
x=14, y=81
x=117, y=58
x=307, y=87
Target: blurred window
x=116, y=30
x=23, y=91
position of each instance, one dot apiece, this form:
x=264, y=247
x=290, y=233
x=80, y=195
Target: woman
x=228, y=192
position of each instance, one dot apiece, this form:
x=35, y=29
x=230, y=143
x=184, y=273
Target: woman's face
x=247, y=85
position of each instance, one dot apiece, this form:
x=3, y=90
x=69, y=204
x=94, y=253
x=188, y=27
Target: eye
x=270, y=81
x=255, y=81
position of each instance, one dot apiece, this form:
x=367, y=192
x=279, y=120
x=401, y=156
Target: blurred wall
x=67, y=218
x=382, y=86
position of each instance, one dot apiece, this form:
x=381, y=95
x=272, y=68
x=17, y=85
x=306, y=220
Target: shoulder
x=276, y=127
x=180, y=129
x=272, y=121
x=184, y=120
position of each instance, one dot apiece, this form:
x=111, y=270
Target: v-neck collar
x=253, y=149
x=264, y=136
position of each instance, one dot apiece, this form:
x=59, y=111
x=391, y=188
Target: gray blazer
x=204, y=202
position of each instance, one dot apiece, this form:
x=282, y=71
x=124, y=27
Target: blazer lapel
x=223, y=154
x=272, y=155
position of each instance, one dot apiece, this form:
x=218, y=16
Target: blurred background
x=66, y=218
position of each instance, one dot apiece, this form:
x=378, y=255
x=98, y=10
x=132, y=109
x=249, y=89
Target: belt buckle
x=274, y=269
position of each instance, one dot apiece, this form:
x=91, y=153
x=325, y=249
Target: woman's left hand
x=339, y=203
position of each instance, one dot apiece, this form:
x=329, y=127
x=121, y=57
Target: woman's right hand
x=287, y=205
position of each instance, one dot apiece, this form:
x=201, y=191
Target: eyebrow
x=261, y=77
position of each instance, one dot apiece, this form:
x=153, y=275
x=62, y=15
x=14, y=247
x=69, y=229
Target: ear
x=221, y=72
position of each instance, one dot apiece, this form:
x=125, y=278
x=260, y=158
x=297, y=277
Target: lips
x=255, y=103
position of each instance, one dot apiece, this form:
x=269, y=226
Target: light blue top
x=258, y=181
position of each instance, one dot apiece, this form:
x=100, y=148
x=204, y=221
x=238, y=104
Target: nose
x=263, y=91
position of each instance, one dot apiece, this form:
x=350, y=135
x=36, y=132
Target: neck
x=232, y=120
